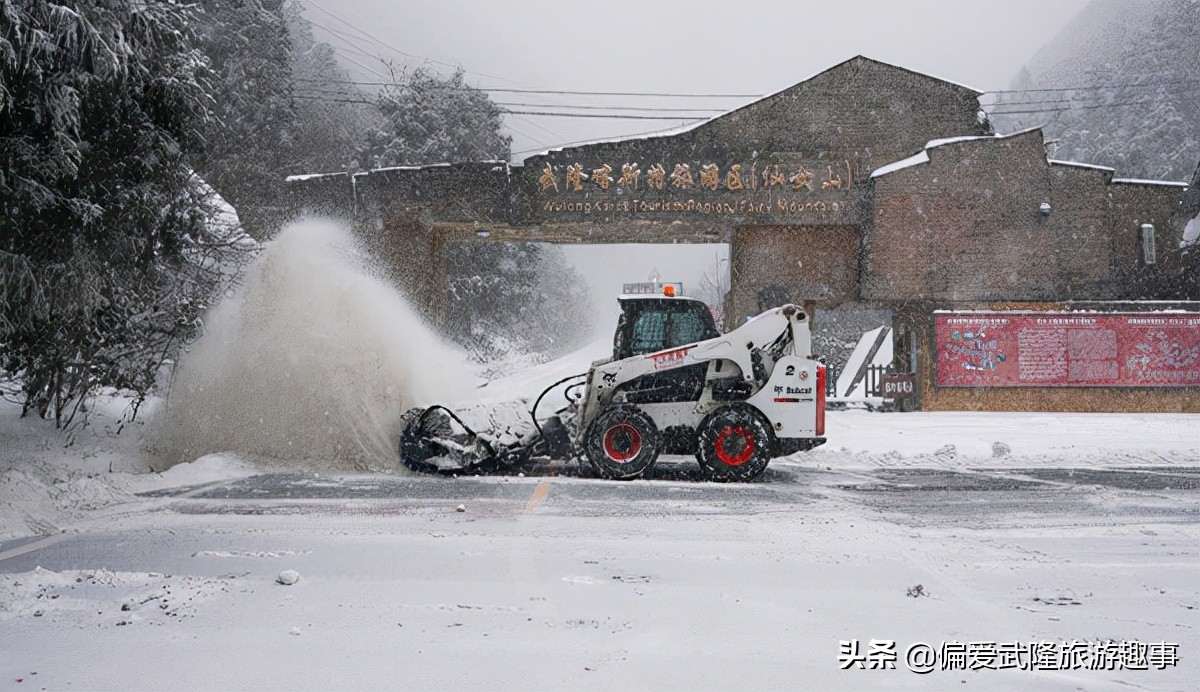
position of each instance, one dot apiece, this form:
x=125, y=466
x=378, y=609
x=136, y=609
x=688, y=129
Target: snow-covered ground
x=1024, y=530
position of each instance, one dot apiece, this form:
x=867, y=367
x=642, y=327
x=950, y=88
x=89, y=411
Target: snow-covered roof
x=1136, y=181
x=441, y=164
x=918, y=158
x=1076, y=164
x=420, y=167
x=310, y=176
x=923, y=155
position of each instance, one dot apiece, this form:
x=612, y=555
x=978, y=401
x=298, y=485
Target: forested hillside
x=1119, y=87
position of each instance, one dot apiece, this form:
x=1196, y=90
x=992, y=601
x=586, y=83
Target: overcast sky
x=694, y=47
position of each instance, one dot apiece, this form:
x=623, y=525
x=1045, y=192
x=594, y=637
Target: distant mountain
x=1119, y=87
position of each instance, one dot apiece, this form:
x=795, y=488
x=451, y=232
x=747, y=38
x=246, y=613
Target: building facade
x=870, y=185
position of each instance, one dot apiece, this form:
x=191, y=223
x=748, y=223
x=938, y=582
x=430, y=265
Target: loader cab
x=650, y=323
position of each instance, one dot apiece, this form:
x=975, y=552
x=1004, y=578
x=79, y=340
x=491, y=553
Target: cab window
x=666, y=325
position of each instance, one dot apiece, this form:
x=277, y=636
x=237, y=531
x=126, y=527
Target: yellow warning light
x=669, y=291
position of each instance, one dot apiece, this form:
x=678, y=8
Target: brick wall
x=809, y=263
x=1131, y=205
x=967, y=225
x=878, y=112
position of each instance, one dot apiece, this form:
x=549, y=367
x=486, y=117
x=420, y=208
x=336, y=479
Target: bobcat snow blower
x=674, y=385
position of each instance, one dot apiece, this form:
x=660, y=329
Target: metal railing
x=872, y=377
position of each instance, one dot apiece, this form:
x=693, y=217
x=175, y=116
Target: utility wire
x=562, y=91
x=1084, y=101
x=1068, y=108
x=350, y=59
x=615, y=116
x=721, y=95
x=1083, y=98
x=395, y=49
x=1138, y=85
x=650, y=109
x=626, y=116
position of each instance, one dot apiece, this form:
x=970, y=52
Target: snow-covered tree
x=515, y=296
x=1133, y=106
x=101, y=103
x=431, y=120
x=333, y=116
x=249, y=132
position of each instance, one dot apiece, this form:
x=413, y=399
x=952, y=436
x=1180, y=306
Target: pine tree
x=101, y=102
x=333, y=116
x=1136, y=110
x=248, y=133
x=430, y=120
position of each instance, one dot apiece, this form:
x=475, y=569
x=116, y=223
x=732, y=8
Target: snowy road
x=557, y=581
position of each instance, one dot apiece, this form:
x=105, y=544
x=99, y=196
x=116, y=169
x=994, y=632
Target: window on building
x=1148, y=249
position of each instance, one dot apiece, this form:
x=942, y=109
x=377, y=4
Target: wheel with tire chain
x=734, y=444
x=622, y=442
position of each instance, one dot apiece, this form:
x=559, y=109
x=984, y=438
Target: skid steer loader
x=674, y=385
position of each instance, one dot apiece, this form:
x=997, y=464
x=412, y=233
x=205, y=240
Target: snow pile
x=315, y=357
x=50, y=478
x=861, y=440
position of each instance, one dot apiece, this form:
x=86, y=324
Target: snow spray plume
x=315, y=357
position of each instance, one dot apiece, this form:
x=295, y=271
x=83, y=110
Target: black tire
x=622, y=442
x=735, y=444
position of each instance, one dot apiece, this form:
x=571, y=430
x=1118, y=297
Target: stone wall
x=774, y=264
x=861, y=109
x=970, y=225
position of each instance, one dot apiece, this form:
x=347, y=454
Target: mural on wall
x=1023, y=349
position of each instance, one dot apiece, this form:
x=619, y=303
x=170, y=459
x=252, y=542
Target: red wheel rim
x=735, y=445
x=622, y=442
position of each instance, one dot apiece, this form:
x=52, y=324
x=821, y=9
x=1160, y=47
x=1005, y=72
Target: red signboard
x=1067, y=349
x=897, y=385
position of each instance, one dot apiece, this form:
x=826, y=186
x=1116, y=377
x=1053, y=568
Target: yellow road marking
x=539, y=493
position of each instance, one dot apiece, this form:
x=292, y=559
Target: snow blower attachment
x=674, y=385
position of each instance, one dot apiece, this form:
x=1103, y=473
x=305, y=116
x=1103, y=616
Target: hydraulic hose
x=533, y=411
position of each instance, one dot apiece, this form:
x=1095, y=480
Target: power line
x=1138, y=85
x=1083, y=101
x=614, y=108
x=560, y=91
x=1082, y=97
x=395, y=49
x=606, y=116
x=649, y=109
x=350, y=59
x=567, y=92
x=1068, y=108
